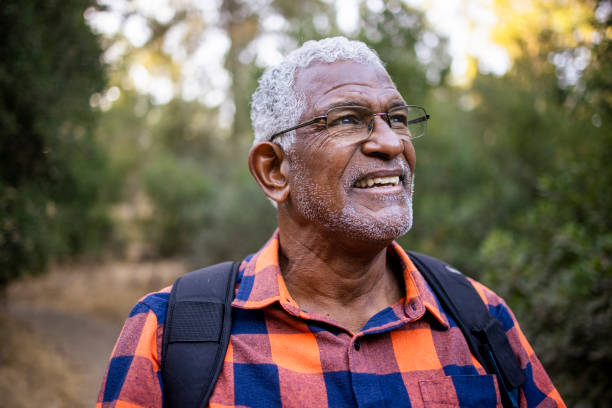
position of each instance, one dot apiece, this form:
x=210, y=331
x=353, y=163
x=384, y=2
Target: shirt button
x=357, y=345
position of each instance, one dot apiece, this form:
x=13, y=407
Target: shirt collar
x=260, y=283
x=417, y=288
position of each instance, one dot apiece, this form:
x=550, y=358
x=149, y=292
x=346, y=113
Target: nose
x=382, y=142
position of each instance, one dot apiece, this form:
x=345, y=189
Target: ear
x=269, y=168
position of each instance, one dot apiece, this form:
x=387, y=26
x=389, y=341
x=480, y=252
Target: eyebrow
x=351, y=102
x=355, y=102
x=395, y=104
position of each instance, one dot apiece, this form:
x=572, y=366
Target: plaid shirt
x=410, y=354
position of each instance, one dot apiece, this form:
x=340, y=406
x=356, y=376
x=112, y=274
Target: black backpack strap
x=196, y=334
x=484, y=333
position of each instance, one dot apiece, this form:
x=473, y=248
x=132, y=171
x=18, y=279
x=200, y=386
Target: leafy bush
x=180, y=194
x=555, y=269
x=52, y=170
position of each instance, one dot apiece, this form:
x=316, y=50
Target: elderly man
x=331, y=311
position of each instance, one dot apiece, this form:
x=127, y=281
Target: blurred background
x=125, y=129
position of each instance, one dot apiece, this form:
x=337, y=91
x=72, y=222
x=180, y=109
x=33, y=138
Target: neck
x=345, y=279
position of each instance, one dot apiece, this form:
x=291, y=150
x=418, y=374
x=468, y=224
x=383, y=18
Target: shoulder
x=442, y=269
x=154, y=302
x=496, y=304
x=134, y=366
x=157, y=302
x=487, y=295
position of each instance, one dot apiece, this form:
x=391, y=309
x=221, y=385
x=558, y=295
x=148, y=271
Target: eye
x=345, y=119
x=349, y=120
x=398, y=120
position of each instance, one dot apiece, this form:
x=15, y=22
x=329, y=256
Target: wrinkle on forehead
x=348, y=83
x=357, y=98
x=322, y=84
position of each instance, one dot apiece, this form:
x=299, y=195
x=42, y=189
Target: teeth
x=378, y=181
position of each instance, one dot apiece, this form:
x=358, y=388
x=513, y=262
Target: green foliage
x=553, y=260
x=555, y=268
x=205, y=215
x=51, y=202
x=242, y=219
x=179, y=191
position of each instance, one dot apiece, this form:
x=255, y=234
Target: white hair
x=276, y=105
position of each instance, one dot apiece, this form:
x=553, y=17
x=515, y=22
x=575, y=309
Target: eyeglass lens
x=356, y=122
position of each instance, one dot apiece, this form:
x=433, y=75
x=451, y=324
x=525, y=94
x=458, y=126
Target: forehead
x=324, y=85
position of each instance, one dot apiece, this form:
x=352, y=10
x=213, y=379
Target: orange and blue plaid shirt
x=410, y=354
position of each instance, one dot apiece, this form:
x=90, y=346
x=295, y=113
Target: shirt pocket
x=460, y=391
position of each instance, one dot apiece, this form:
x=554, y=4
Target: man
x=331, y=311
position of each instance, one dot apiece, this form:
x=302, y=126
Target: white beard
x=349, y=220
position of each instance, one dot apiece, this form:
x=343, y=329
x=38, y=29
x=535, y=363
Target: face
x=362, y=190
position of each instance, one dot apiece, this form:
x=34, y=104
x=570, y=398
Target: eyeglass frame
x=385, y=114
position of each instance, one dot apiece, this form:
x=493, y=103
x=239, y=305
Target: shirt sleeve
x=133, y=377
x=538, y=390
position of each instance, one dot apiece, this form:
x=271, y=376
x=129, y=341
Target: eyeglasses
x=356, y=123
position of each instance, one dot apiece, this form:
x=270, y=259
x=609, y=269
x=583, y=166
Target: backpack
x=198, y=327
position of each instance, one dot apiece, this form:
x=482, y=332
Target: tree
x=552, y=260
x=51, y=168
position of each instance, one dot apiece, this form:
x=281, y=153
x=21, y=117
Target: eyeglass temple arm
x=418, y=120
x=310, y=122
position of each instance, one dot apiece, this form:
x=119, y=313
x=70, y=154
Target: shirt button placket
x=363, y=375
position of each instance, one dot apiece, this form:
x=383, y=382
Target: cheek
x=410, y=155
x=327, y=160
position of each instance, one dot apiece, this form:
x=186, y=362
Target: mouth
x=373, y=182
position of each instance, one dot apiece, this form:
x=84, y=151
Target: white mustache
x=360, y=172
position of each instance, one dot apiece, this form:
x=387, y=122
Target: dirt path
x=84, y=341
x=70, y=319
